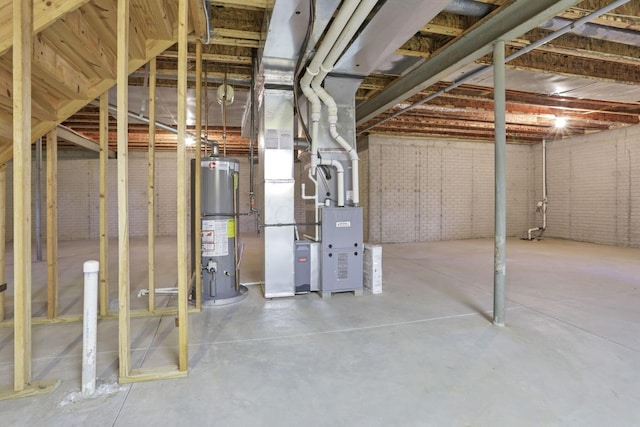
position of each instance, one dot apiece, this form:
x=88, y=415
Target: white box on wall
x=373, y=268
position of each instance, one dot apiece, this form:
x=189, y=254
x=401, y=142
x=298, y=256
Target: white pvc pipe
x=340, y=175
x=90, y=326
x=543, y=206
x=313, y=197
x=303, y=191
x=359, y=16
x=341, y=19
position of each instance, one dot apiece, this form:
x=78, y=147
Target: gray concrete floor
x=422, y=353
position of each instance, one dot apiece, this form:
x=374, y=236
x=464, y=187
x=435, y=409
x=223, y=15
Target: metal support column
x=500, y=182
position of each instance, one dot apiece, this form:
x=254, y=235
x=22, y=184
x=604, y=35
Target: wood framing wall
x=39, y=101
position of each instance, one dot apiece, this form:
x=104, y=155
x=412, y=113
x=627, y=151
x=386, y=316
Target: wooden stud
x=104, y=220
x=123, y=190
x=197, y=236
x=22, y=46
x=126, y=374
x=52, y=224
x=183, y=250
x=152, y=184
x=3, y=235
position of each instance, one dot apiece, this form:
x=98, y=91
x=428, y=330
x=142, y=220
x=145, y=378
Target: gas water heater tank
x=219, y=263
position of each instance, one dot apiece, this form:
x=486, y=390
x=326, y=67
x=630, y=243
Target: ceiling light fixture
x=560, y=122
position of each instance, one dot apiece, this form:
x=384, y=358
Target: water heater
x=219, y=262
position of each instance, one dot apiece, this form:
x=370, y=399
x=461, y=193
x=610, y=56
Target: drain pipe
x=359, y=16
x=543, y=203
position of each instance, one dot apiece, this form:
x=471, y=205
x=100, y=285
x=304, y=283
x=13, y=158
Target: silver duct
x=468, y=8
x=595, y=31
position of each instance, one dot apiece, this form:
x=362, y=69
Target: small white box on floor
x=373, y=268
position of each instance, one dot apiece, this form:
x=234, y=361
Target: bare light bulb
x=560, y=122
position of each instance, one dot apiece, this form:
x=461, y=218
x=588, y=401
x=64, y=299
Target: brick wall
x=412, y=189
x=426, y=189
x=78, y=197
x=593, y=186
x=363, y=174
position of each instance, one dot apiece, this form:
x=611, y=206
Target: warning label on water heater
x=215, y=238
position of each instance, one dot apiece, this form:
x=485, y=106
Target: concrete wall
x=426, y=189
x=593, y=185
x=78, y=197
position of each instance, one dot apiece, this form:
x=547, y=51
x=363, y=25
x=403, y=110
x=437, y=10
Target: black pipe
x=288, y=224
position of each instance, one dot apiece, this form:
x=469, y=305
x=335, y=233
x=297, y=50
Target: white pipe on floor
x=90, y=326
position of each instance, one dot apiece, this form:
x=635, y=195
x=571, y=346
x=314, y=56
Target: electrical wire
x=299, y=68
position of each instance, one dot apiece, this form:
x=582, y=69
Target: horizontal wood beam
x=80, y=140
x=241, y=4
x=213, y=57
x=229, y=41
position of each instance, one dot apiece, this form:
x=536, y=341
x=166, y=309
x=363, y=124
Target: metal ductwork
x=595, y=31
x=468, y=8
x=375, y=45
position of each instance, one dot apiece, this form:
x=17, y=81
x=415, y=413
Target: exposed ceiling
x=590, y=76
